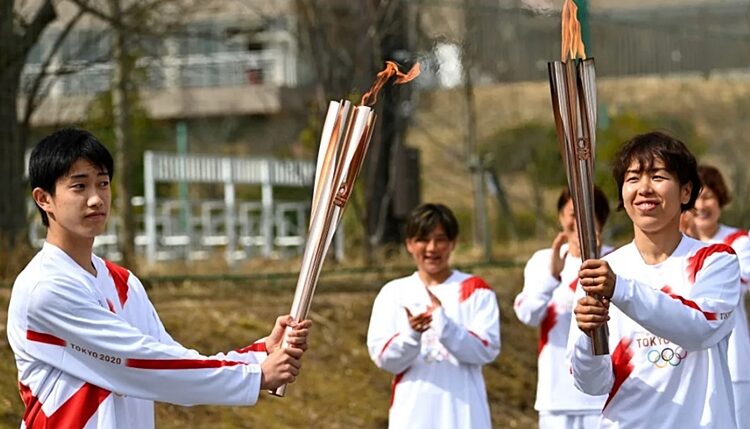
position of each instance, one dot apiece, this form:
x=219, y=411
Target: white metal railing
x=236, y=226
x=169, y=228
x=216, y=169
x=204, y=230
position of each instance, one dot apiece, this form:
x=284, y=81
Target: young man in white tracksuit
x=705, y=226
x=669, y=301
x=546, y=301
x=90, y=349
x=434, y=330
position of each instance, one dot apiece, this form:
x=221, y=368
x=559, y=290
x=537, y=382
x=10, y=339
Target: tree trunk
x=482, y=237
x=15, y=43
x=123, y=141
x=382, y=224
x=12, y=182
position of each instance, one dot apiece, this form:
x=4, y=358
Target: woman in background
x=703, y=224
x=550, y=281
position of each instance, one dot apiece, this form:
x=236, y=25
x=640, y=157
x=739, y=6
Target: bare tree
x=346, y=44
x=121, y=81
x=17, y=37
x=482, y=235
x=130, y=25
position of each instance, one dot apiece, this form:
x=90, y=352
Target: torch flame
x=390, y=70
x=572, y=45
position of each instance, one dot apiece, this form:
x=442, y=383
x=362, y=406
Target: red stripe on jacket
x=484, y=342
x=695, y=262
x=44, y=338
x=689, y=303
x=254, y=347
x=622, y=366
x=394, y=383
x=73, y=414
x=387, y=343
x=471, y=285
x=729, y=239
x=179, y=363
x=549, y=322
x=120, y=275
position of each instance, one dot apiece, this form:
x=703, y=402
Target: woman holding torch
x=703, y=224
x=547, y=298
x=669, y=301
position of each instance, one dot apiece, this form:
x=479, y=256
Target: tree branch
x=32, y=98
x=44, y=16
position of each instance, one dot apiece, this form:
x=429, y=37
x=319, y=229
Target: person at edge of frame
x=669, y=302
x=546, y=301
x=703, y=224
x=90, y=349
x=433, y=330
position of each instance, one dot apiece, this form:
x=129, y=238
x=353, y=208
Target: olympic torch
x=345, y=138
x=573, y=90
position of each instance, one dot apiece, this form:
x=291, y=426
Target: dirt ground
x=339, y=387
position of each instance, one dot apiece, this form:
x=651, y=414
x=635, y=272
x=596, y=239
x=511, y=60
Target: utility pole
x=482, y=236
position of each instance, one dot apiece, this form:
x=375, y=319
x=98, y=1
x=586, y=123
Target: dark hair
x=711, y=178
x=55, y=154
x=645, y=149
x=601, y=204
x=426, y=217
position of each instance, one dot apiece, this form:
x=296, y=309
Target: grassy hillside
x=339, y=386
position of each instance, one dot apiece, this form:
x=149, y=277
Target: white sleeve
x=538, y=285
x=477, y=343
x=69, y=330
x=254, y=353
x=391, y=342
x=694, y=322
x=742, y=246
x=592, y=374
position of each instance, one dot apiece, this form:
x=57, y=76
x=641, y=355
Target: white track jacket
x=668, y=338
x=438, y=374
x=92, y=353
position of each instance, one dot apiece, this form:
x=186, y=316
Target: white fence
x=169, y=228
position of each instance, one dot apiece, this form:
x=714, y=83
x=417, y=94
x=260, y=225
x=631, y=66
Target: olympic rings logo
x=667, y=356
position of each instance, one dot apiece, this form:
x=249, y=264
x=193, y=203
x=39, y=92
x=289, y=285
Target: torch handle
x=280, y=391
x=600, y=340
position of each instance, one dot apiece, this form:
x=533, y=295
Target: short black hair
x=55, y=154
x=426, y=217
x=645, y=149
x=601, y=204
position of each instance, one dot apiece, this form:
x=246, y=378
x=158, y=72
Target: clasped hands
x=422, y=321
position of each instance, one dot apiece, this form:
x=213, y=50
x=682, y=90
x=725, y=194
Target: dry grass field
x=339, y=386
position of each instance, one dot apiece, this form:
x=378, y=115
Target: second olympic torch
x=344, y=141
x=573, y=90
